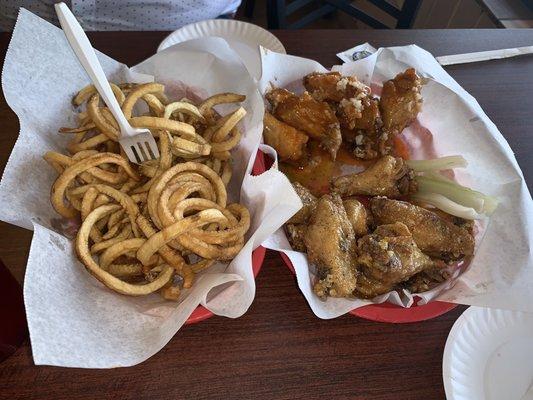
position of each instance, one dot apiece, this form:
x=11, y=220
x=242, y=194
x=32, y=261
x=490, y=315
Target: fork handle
x=84, y=51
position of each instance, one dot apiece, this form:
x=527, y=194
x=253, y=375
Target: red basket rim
x=258, y=255
x=391, y=313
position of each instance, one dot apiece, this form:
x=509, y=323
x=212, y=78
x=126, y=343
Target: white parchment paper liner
x=501, y=273
x=73, y=319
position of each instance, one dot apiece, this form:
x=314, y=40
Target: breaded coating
x=387, y=257
x=357, y=216
x=296, y=234
x=427, y=279
x=434, y=235
x=331, y=247
x=309, y=203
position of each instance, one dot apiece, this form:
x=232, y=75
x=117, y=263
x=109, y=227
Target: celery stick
x=488, y=205
x=437, y=164
x=447, y=205
x=455, y=192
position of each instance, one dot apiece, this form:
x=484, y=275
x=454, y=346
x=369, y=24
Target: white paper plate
x=243, y=38
x=489, y=356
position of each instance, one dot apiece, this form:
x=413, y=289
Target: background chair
x=278, y=12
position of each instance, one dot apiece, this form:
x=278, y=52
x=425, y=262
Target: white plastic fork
x=138, y=144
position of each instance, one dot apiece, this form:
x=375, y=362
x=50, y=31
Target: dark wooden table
x=279, y=349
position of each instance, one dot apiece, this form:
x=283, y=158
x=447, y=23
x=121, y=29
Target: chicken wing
x=357, y=216
x=332, y=86
x=356, y=108
x=400, y=101
x=387, y=257
x=296, y=234
x=466, y=224
x=364, y=134
x=433, y=235
x=309, y=203
x=330, y=243
x=427, y=279
x=389, y=176
x=323, y=86
x=289, y=142
x=317, y=119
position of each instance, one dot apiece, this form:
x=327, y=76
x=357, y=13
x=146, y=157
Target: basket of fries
x=141, y=222
x=124, y=254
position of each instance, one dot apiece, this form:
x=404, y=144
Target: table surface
x=279, y=349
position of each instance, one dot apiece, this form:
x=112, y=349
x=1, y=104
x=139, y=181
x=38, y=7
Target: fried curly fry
x=151, y=246
x=143, y=225
x=85, y=93
x=206, y=107
x=137, y=93
x=112, y=282
x=61, y=183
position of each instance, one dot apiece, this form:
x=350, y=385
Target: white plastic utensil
x=364, y=50
x=483, y=55
x=139, y=144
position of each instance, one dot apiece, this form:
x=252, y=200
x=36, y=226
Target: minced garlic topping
x=356, y=103
x=343, y=82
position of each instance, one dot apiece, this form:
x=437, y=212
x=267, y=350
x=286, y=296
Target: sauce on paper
x=316, y=174
x=344, y=156
x=400, y=148
x=319, y=170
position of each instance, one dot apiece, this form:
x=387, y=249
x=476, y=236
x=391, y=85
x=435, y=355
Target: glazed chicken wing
x=332, y=86
x=323, y=86
x=433, y=235
x=364, y=134
x=357, y=216
x=289, y=142
x=389, y=176
x=330, y=243
x=317, y=119
x=357, y=111
x=400, y=101
x=387, y=257
x=309, y=203
x=353, y=97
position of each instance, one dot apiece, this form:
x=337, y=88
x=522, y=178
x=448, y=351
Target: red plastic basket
x=258, y=254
